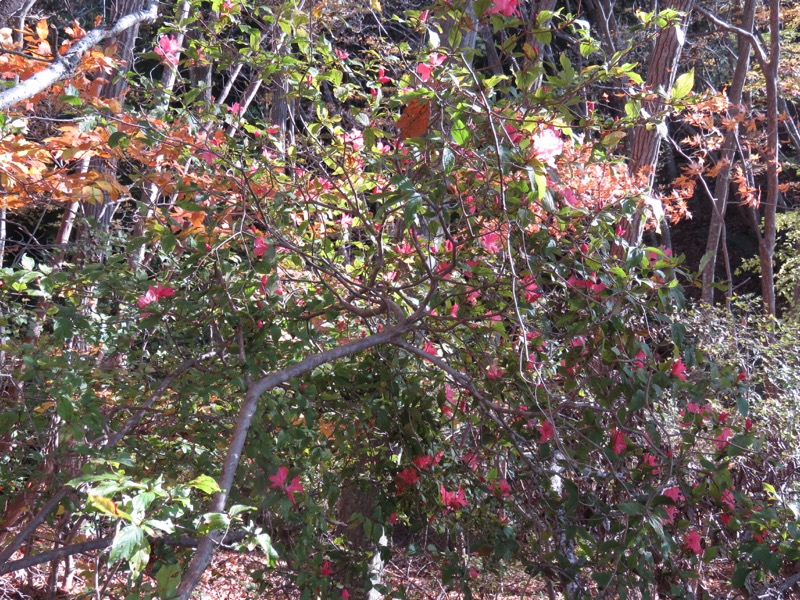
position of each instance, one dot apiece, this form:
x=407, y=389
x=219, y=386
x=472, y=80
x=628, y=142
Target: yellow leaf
x=42, y=30
x=376, y=5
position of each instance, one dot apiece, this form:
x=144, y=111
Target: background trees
x=324, y=287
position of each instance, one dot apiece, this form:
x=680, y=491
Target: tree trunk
x=646, y=138
x=719, y=202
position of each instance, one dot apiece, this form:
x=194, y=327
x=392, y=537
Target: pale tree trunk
x=766, y=243
x=646, y=138
x=730, y=145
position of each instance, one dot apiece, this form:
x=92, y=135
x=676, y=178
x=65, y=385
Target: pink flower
x=674, y=494
x=618, y=443
x=453, y=500
x=494, y=372
x=355, y=138
x=728, y=499
x=279, y=482
x=168, y=49
x=547, y=145
x=154, y=294
x=742, y=376
x=692, y=542
x=679, y=369
x=260, y=246
x=235, y=108
x=424, y=71
x=638, y=362
x=341, y=54
x=492, y=242
x=650, y=460
x=326, y=570
x=671, y=512
x=345, y=594
x=726, y=519
x=423, y=16
x=506, y=8
x=406, y=478
x=546, y=431
x=721, y=441
x=425, y=462
x=502, y=488
x=404, y=248
x=382, y=76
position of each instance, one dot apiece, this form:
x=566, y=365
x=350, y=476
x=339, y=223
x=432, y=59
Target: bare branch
x=65, y=65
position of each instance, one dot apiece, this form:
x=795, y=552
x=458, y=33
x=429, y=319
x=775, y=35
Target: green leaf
x=459, y=132
x=118, y=138
x=131, y=545
x=613, y=138
x=212, y=521
x=631, y=508
x=205, y=484
x=683, y=86
x=448, y=160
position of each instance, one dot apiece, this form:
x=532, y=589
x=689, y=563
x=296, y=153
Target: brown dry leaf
x=414, y=121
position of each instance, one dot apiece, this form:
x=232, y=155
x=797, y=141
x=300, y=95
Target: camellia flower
x=618, y=443
x=692, y=542
x=453, y=500
x=154, y=294
x=279, y=483
x=168, y=49
x=721, y=441
x=326, y=570
x=382, y=76
x=492, y=242
x=547, y=145
x=260, y=247
x=494, y=372
x=425, y=69
x=679, y=369
x=507, y=8
x=546, y=431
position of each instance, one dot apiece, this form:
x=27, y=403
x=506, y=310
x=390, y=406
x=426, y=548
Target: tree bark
x=719, y=202
x=661, y=74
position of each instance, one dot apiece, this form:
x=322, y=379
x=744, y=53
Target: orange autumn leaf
x=414, y=121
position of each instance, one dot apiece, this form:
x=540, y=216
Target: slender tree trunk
x=661, y=73
x=719, y=202
x=766, y=246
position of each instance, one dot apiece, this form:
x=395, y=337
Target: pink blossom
x=671, y=512
x=502, y=488
x=154, y=294
x=453, y=500
x=638, y=362
x=679, y=370
x=345, y=594
x=492, y=242
x=355, y=138
x=507, y=8
x=494, y=372
x=721, y=441
x=326, y=570
x=279, y=482
x=742, y=376
x=406, y=478
x=235, y=108
x=547, y=145
x=691, y=542
x=423, y=16
x=618, y=443
x=424, y=71
x=260, y=246
x=426, y=461
x=728, y=499
x=546, y=431
x=382, y=76
x=404, y=248
x=674, y=494
x=341, y=54
x=168, y=49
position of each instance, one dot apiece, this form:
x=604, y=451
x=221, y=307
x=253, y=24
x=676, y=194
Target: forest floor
x=230, y=577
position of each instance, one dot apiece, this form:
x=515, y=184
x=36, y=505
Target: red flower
x=406, y=478
x=279, y=483
x=168, y=49
x=494, y=372
x=546, y=431
x=260, y=247
x=618, y=443
x=382, y=76
x=692, y=542
x=423, y=463
x=679, y=370
x=326, y=570
x=674, y=494
x=506, y=8
x=721, y=441
x=154, y=294
x=502, y=488
x=453, y=500
x=345, y=594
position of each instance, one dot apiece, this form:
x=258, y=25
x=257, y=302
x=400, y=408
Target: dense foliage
x=397, y=296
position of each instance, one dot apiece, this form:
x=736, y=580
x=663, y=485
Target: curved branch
x=65, y=65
